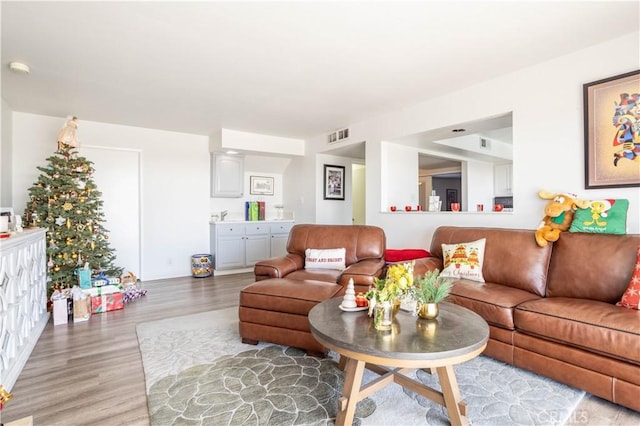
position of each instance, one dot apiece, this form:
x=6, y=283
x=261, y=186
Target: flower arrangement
x=398, y=281
x=431, y=288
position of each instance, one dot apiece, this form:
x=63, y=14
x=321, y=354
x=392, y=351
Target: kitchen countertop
x=222, y=222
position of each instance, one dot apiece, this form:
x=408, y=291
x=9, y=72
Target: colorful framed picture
x=333, y=182
x=260, y=185
x=612, y=132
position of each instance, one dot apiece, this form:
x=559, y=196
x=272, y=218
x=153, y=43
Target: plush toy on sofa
x=558, y=215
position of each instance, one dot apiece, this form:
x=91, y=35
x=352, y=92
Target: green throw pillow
x=604, y=216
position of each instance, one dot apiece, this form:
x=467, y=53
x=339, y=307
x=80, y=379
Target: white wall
x=175, y=183
x=337, y=212
x=299, y=188
x=547, y=105
x=5, y=157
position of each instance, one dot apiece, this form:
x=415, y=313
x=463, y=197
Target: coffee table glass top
x=457, y=331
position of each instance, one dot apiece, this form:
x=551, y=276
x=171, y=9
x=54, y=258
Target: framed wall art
x=260, y=185
x=612, y=132
x=333, y=182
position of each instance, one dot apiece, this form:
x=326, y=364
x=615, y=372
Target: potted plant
x=428, y=291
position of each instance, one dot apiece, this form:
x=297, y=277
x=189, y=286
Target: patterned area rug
x=197, y=372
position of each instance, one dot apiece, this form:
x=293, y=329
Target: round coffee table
x=456, y=336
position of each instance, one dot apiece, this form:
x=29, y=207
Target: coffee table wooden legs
x=352, y=392
x=451, y=394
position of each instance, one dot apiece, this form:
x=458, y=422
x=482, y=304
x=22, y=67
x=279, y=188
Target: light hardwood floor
x=91, y=373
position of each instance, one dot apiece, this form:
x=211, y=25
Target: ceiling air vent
x=338, y=135
x=485, y=143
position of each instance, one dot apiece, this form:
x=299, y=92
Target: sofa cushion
x=631, y=297
x=328, y=275
x=493, y=302
x=595, y=267
x=587, y=324
x=464, y=260
x=324, y=258
x=287, y=295
x=511, y=256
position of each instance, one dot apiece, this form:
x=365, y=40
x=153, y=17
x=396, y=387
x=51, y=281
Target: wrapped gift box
x=102, y=281
x=105, y=298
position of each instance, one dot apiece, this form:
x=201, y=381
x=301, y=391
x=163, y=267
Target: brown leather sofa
x=275, y=307
x=553, y=310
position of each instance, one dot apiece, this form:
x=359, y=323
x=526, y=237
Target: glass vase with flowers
x=385, y=294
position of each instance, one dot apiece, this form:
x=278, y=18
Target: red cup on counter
x=407, y=208
x=480, y=207
x=419, y=208
x=455, y=207
x=498, y=207
x=392, y=208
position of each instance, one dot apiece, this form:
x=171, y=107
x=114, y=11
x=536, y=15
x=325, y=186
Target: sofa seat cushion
x=328, y=275
x=587, y=324
x=286, y=295
x=493, y=302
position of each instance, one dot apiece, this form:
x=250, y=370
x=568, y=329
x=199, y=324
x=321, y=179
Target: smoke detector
x=19, y=68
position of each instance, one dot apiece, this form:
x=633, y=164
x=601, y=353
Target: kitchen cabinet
x=502, y=179
x=279, y=236
x=228, y=246
x=236, y=245
x=256, y=243
x=227, y=176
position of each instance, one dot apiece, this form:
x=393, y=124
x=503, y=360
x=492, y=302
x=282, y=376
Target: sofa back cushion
x=511, y=256
x=360, y=241
x=592, y=266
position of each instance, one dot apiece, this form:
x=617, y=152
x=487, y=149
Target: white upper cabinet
x=227, y=175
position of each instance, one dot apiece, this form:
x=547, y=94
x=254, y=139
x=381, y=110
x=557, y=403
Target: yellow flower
x=398, y=280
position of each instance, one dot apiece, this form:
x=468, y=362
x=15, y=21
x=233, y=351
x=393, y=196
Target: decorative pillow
x=464, y=260
x=325, y=259
x=402, y=255
x=604, y=216
x=631, y=297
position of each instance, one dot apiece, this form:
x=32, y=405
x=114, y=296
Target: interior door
x=117, y=175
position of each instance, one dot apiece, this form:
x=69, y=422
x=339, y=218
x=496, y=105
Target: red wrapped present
x=104, y=299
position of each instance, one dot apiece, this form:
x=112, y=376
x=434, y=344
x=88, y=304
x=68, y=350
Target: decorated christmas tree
x=66, y=201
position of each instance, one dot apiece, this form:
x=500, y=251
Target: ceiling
x=291, y=69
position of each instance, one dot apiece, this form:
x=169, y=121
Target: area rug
x=197, y=371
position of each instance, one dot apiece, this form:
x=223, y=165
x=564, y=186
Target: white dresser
x=23, y=300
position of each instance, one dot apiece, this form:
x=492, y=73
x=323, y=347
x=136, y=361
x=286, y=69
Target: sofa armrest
x=363, y=273
x=425, y=264
x=278, y=267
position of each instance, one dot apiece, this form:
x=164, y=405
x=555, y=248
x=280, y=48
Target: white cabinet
x=502, y=179
x=236, y=245
x=228, y=246
x=227, y=175
x=23, y=297
x=279, y=237
x=256, y=243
